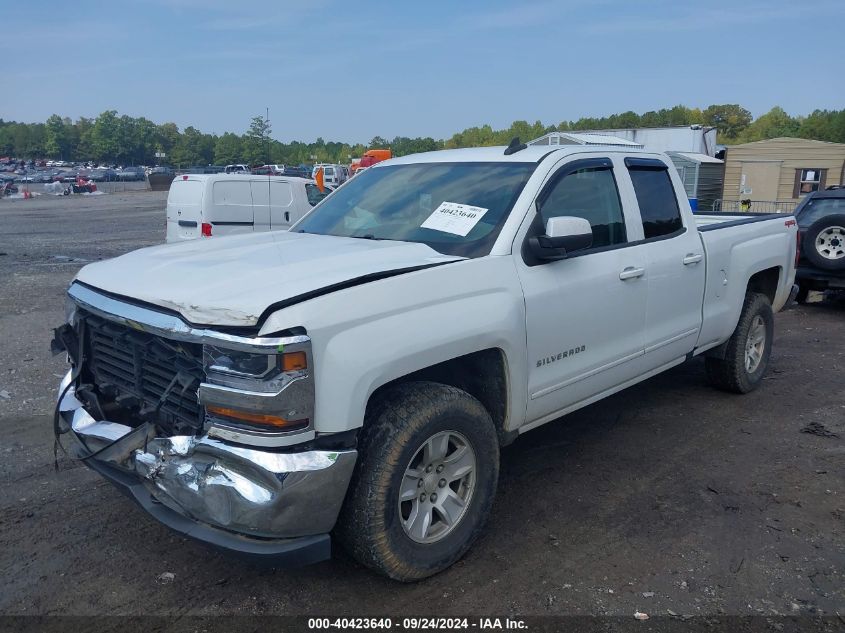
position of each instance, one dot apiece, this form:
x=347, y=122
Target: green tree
x=227, y=149
x=255, y=141
x=729, y=119
x=105, y=136
x=774, y=124
x=56, y=138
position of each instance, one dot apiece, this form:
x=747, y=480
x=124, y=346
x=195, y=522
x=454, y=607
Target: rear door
x=675, y=261
x=230, y=211
x=184, y=209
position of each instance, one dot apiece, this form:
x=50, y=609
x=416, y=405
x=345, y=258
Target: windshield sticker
x=455, y=218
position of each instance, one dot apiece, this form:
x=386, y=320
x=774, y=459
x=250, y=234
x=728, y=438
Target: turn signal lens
x=257, y=418
x=294, y=361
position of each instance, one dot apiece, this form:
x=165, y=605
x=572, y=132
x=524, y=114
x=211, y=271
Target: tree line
x=126, y=140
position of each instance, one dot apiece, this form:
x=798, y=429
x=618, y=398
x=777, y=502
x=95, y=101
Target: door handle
x=631, y=273
x=692, y=258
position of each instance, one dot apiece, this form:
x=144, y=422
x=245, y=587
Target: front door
x=585, y=314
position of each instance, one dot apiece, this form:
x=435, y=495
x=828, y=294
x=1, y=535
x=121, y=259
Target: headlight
x=253, y=370
x=258, y=389
x=70, y=310
x=236, y=363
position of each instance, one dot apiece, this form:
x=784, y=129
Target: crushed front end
x=211, y=432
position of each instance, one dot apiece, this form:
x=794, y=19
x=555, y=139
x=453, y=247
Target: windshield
x=817, y=208
x=455, y=208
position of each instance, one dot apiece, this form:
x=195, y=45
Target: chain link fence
x=753, y=206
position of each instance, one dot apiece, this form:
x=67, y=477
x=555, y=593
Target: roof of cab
x=531, y=154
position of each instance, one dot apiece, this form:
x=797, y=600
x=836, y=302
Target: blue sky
x=352, y=70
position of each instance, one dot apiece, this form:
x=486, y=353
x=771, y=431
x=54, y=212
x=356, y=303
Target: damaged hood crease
x=233, y=281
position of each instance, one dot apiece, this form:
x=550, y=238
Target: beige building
x=779, y=171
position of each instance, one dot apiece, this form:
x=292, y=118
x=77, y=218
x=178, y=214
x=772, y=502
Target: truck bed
x=712, y=221
x=752, y=242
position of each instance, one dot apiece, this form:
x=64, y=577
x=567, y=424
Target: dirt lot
x=667, y=497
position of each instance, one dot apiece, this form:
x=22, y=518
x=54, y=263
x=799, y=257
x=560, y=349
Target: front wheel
x=747, y=351
x=424, y=483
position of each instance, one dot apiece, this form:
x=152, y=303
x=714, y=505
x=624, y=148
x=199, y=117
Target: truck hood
x=231, y=281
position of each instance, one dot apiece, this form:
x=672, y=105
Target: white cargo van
x=236, y=169
x=212, y=205
x=334, y=175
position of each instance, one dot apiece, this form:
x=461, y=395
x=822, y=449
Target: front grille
x=145, y=375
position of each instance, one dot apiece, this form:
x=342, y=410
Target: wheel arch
x=766, y=282
x=482, y=374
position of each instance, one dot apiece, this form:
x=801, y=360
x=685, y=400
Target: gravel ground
x=668, y=497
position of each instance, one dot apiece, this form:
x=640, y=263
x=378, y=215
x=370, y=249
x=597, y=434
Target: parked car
x=68, y=176
x=132, y=174
x=237, y=169
x=821, y=225
x=220, y=205
x=298, y=172
x=46, y=176
x=358, y=374
x=205, y=169
x=101, y=175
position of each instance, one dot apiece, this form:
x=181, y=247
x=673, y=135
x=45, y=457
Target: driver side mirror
x=563, y=235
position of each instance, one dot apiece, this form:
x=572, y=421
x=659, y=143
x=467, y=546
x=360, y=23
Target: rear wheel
x=424, y=483
x=747, y=351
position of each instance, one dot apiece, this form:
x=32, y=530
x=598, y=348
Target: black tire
x=803, y=292
x=397, y=425
x=730, y=373
x=820, y=228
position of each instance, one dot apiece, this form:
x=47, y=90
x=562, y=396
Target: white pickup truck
x=357, y=375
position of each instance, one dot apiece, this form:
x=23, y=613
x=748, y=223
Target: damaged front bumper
x=258, y=503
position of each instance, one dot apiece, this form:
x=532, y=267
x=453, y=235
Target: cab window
x=589, y=193
x=656, y=197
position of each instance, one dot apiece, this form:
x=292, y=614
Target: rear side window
x=658, y=203
x=590, y=194
x=232, y=192
x=817, y=208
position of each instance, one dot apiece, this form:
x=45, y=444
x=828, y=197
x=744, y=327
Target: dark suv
x=821, y=225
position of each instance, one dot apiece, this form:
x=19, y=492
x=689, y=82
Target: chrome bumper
x=254, y=493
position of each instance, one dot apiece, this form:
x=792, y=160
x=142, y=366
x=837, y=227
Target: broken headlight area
x=135, y=366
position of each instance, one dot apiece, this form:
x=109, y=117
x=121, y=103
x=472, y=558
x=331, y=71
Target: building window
x=808, y=181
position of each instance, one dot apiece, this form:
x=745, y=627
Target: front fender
x=369, y=335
